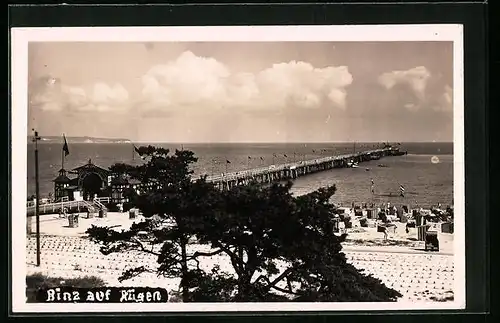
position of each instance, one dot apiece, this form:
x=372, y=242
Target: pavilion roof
x=62, y=179
x=90, y=167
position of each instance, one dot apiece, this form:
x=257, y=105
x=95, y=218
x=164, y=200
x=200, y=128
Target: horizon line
x=251, y=142
x=246, y=142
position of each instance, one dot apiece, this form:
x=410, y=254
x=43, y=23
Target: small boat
x=367, y=169
x=382, y=165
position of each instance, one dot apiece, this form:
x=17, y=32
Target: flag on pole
x=65, y=147
x=228, y=162
x=261, y=158
x=249, y=157
x=285, y=156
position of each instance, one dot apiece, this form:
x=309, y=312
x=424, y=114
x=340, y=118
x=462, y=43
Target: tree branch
x=143, y=248
x=234, y=258
x=197, y=263
x=134, y=272
x=270, y=285
x=280, y=277
x=289, y=284
x=204, y=254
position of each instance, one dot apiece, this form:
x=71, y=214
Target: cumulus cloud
x=415, y=78
x=50, y=94
x=192, y=81
x=417, y=89
x=445, y=100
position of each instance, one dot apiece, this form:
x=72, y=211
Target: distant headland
x=81, y=140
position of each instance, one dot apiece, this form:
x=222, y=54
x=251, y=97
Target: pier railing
x=57, y=207
x=287, y=166
x=53, y=208
x=100, y=205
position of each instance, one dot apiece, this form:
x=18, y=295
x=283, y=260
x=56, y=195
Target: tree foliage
x=280, y=247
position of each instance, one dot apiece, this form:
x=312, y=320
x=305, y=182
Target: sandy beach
x=399, y=262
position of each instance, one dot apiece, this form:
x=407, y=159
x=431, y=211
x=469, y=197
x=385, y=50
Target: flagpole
x=62, y=158
x=37, y=200
x=62, y=152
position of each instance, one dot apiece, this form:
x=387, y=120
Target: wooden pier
x=263, y=175
x=290, y=171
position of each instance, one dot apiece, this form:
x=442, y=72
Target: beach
x=399, y=262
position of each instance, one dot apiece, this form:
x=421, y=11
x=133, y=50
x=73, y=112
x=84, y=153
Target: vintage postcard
x=292, y=168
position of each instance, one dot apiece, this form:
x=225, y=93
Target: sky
x=242, y=92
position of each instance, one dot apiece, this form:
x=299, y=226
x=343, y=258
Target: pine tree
x=280, y=247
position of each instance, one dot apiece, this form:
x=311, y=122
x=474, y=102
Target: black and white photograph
x=292, y=168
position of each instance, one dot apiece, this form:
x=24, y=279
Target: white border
x=20, y=38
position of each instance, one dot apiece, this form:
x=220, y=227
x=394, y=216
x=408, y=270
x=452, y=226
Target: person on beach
x=384, y=231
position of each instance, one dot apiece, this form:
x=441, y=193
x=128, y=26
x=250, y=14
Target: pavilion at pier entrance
x=92, y=185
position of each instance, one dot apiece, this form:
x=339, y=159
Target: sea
x=426, y=172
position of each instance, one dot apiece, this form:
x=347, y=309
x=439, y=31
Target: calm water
x=426, y=183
